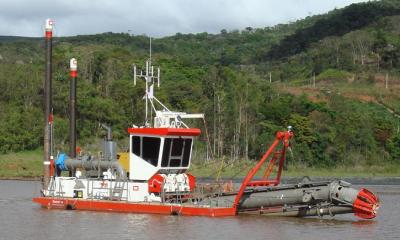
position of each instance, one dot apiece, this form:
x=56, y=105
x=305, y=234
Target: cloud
x=155, y=18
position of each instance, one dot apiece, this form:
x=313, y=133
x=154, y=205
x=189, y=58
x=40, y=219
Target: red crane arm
x=283, y=137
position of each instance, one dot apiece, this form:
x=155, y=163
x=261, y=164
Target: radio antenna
x=150, y=51
x=150, y=79
x=163, y=117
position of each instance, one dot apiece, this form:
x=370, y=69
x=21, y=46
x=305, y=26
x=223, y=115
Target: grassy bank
x=241, y=169
x=28, y=164
x=25, y=164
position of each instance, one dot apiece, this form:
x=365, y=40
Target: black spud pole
x=72, y=108
x=48, y=118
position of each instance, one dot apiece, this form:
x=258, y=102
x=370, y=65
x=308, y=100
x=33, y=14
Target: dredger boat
x=152, y=177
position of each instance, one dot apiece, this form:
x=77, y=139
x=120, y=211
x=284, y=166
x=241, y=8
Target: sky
x=155, y=18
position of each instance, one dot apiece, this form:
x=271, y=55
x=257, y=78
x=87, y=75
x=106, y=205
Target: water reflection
x=22, y=219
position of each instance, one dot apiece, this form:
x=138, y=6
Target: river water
x=22, y=219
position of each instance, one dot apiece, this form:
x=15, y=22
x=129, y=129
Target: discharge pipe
x=96, y=165
x=64, y=164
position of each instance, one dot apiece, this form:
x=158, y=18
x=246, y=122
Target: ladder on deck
x=117, y=192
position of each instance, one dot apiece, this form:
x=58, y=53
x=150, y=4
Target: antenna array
x=165, y=117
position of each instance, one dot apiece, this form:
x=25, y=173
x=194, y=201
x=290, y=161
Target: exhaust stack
x=109, y=146
x=48, y=116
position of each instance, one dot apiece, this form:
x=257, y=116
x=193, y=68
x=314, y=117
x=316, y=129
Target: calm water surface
x=22, y=219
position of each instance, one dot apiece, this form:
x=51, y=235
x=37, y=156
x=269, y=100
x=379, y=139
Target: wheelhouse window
x=147, y=148
x=136, y=145
x=176, y=152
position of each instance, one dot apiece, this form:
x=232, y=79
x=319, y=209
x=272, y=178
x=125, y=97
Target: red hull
x=114, y=206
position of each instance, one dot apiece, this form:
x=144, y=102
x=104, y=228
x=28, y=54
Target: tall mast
x=149, y=81
x=150, y=50
x=149, y=78
x=163, y=117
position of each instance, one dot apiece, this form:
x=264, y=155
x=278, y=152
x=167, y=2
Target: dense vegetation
x=327, y=75
x=337, y=23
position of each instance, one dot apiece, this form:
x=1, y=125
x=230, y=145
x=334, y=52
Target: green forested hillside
x=328, y=80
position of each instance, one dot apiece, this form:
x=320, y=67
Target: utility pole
x=387, y=80
x=270, y=77
x=314, y=79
